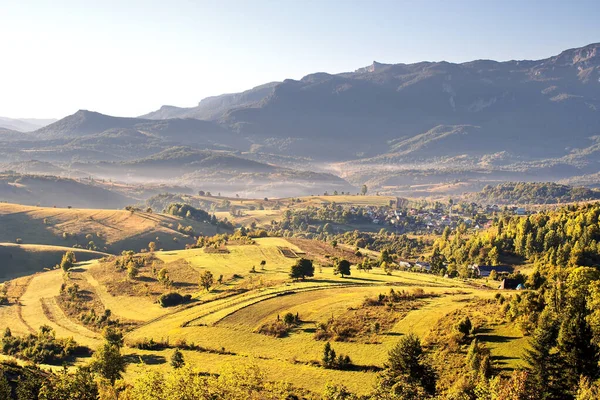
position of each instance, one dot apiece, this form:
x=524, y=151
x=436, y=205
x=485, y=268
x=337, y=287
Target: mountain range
x=386, y=125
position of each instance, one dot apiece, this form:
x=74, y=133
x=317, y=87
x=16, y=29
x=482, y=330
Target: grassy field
x=225, y=319
x=111, y=230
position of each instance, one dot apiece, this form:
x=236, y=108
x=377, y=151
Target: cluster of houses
x=412, y=219
x=473, y=215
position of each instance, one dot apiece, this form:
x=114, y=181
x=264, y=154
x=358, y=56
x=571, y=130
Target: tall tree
x=542, y=358
x=206, y=279
x=302, y=268
x=407, y=365
x=108, y=362
x=342, y=267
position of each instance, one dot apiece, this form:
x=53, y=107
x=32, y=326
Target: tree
x=364, y=189
x=163, y=277
x=289, y=319
x=544, y=362
x=113, y=336
x=262, y=264
x=494, y=256
x=152, y=247
x=132, y=270
x=79, y=385
x=406, y=364
x=329, y=357
x=302, y=269
x=206, y=279
x=29, y=385
x=108, y=362
x=575, y=337
x=493, y=275
x=5, y=389
x=342, y=267
x=177, y=360
x=68, y=261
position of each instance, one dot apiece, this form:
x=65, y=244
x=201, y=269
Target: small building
x=484, y=271
x=425, y=266
x=510, y=284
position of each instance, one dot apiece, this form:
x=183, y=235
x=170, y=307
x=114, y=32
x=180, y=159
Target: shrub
x=42, y=347
x=173, y=299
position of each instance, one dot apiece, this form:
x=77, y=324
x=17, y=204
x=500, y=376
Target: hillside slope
x=54, y=191
x=111, y=230
x=20, y=260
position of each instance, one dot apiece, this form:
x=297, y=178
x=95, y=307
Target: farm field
x=225, y=321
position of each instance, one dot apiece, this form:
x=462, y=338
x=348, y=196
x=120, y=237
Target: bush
x=173, y=299
x=41, y=348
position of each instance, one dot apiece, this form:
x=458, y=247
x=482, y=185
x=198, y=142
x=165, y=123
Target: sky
x=127, y=58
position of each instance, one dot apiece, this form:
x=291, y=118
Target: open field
x=224, y=320
x=111, y=230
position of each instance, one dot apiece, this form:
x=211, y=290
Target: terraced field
x=225, y=319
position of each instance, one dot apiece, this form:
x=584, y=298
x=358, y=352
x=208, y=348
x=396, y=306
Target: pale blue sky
x=130, y=57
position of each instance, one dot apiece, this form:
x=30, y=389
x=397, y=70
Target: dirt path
x=54, y=313
x=127, y=307
x=45, y=287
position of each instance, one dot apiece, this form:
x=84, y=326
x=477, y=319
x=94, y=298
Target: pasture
x=224, y=320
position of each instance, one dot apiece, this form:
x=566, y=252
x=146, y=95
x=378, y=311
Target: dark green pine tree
x=544, y=361
x=579, y=353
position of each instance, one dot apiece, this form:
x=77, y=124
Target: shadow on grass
x=502, y=362
x=354, y=278
x=145, y=279
x=149, y=359
x=393, y=334
x=183, y=284
x=347, y=282
x=485, y=336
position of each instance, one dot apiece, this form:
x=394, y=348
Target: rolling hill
x=86, y=124
x=111, y=230
x=217, y=171
x=21, y=260
x=54, y=191
x=222, y=325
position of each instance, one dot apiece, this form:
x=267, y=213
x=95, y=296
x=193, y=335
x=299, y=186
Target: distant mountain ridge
x=213, y=107
x=24, y=124
x=387, y=125
x=524, y=107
